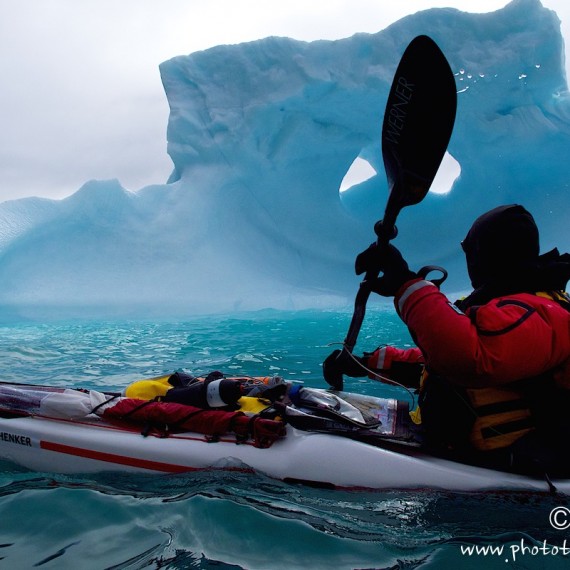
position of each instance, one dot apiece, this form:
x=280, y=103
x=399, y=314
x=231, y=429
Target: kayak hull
x=95, y=445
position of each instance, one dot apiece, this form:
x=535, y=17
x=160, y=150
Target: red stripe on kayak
x=113, y=458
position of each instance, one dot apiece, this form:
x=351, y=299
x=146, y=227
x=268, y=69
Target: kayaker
x=496, y=387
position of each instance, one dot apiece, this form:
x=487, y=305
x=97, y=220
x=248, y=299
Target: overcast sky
x=81, y=96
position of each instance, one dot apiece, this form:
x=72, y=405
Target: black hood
x=503, y=256
x=501, y=242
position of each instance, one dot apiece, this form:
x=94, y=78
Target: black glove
x=371, y=259
x=390, y=262
x=340, y=362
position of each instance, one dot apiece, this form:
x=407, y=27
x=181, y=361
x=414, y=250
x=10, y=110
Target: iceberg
x=262, y=136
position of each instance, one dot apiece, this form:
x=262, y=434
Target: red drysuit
x=510, y=338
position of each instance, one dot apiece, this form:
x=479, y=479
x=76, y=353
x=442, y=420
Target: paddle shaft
x=386, y=230
x=418, y=122
x=417, y=126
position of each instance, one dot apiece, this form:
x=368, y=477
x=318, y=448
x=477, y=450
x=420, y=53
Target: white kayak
x=93, y=444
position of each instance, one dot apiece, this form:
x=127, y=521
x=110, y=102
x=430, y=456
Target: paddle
x=418, y=121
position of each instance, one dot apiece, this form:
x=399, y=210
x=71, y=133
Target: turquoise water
x=238, y=520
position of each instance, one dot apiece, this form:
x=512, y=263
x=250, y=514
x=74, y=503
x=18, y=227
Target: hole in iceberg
x=449, y=171
x=360, y=171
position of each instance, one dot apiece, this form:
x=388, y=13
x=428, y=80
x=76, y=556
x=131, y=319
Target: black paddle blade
x=417, y=126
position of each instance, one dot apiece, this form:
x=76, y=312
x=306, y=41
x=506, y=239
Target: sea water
x=240, y=520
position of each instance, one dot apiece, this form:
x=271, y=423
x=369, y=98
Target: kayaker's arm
x=506, y=340
x=404, y=366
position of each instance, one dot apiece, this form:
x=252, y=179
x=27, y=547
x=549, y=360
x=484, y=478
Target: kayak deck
x=93, y=445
